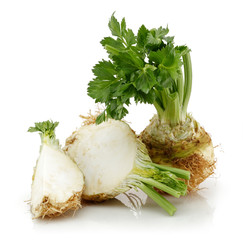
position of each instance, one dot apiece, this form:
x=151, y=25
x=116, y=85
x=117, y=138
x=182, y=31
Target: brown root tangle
x=50, y=209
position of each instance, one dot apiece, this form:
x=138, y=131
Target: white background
x=47, y=50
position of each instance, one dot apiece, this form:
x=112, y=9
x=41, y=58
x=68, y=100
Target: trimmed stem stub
x=147, y=176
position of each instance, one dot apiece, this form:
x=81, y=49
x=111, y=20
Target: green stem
x=172, y=108
x=172, y=111
x=159, y=109
x=180, y=86
x=159, y=99
x=159, y=199
x=164, y=96
x=178, y=172
x=169, y=111
x=158, y=185
x=188, y=81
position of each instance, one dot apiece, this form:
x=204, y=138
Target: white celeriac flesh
x=56, y=181
x=105, y=153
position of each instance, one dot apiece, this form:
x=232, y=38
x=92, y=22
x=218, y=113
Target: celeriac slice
x=57, y=181
x=105, y=154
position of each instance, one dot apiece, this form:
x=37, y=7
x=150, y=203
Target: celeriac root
x=186, y=146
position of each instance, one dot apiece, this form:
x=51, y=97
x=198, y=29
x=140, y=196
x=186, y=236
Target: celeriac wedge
x=57, y=181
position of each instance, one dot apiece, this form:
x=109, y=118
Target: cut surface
x=105, y=153
x=57, y=183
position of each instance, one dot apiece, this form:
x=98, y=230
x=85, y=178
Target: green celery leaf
x=152, y=40
x=114, y=26
x=169, y=39
x=120, y=113
x=104, y=70
x=46, y=127
x=116, y=110
x=99, y=90
x=145, y=80
x=124, y=67
x=112, y=46
x=167, y=58
x=130, y=38
x=156, y=57
x=138, y=52
x=142, y=97
x=125, y=91
x=161, y=32
x=182, y=50
x=123, y=27
x=155, y=36
x=164, y=79
x=136, y=59
x=100, y=118
x=128, y=62
x=142, y=36
x=171, y=59
x=128, y=93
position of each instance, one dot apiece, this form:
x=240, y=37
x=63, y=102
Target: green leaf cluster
x=145, y=66
x=46, y=130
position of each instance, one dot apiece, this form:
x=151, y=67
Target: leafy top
x=46, y=130
x=138, y=67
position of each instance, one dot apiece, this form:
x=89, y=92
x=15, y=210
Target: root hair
x=49, y=209
x=199, y=167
